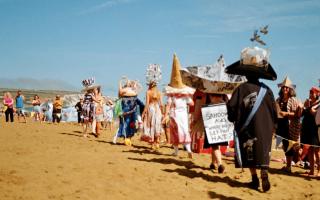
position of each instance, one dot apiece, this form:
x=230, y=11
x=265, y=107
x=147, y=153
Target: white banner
x=217, y=126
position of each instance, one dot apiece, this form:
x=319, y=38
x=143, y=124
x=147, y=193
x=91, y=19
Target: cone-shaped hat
x=287, y=82
x=176, y=85
x=176, y=80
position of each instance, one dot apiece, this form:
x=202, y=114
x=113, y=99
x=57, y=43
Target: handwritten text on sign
x=217, y=126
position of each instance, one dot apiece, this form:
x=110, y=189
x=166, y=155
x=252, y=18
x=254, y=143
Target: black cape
x=260, y=127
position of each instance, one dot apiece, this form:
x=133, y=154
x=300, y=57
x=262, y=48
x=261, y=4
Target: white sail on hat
x=211, y=78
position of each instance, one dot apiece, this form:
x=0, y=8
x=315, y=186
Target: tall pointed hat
x=176, y=86
x=287, y=83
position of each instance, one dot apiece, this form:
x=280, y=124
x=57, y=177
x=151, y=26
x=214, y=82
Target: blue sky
x=70, y=40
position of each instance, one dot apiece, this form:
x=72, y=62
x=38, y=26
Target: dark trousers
x=79, y=118
x=55, y=116
x=9, y=112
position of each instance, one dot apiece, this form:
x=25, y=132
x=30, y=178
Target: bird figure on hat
x=256, y=37
x=264, y=30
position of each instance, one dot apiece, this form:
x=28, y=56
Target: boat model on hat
x=211, y=78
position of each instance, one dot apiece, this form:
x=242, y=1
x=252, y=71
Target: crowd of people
x=256, y=114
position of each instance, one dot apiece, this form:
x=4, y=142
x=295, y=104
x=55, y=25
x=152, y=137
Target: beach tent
x=69, y=114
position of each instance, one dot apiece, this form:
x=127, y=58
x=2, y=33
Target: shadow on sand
x=214, y=195
x=295, y=174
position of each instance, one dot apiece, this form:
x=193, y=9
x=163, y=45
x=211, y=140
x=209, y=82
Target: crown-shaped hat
x=89, y=84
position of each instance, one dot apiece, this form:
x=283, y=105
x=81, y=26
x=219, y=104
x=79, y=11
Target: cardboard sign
x=217, y=126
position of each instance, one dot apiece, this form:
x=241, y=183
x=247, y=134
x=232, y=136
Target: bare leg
x=85, y=127
x=217, y=156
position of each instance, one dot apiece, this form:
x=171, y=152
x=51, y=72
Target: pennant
x=290, y=145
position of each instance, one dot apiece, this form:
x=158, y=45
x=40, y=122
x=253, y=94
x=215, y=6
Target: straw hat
x=287, y=83
x=176, y=86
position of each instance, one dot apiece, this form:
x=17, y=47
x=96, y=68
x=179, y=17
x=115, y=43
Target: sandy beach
x=47, y=161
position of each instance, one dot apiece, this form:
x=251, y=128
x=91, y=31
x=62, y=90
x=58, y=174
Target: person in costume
x=213, y=99
x=289, y=126
x=129, y=104
x=88, y=107
x=179, y=99
x=255, y=140
x=309, y=131
x=152, y=114
x=213, y=85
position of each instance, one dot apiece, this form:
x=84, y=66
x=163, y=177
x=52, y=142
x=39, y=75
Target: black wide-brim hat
x=264, y=72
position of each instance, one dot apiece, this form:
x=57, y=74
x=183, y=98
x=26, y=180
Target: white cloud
x=240, y=16
x=103, y=6
x=202, y=36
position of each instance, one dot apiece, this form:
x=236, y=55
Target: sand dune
x=46, y=161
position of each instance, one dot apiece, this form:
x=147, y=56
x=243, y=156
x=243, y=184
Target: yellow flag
x=290, y=145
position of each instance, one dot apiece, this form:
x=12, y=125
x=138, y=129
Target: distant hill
x=37, y=84
x=29, y=94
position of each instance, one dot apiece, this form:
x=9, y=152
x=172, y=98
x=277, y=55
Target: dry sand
x=46, y=161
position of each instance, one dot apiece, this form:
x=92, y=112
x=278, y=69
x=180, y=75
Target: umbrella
x=211, y=78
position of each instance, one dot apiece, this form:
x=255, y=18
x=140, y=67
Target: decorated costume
x=253, y=143
x=179, y=98
x=88, y=107
x=152, y=115
x=127, y=108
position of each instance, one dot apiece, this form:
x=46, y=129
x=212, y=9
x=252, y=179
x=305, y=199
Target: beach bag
x=118, y=108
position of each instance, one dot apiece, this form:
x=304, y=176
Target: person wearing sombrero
x=309, y=131
x=289, y=113
x=254, y=140
x=179, y=99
